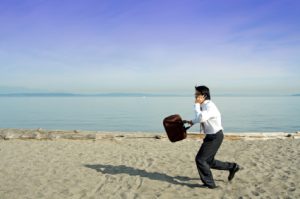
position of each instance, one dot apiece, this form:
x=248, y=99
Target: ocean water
x=145, y=114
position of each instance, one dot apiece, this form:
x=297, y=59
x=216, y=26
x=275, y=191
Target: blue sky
x=154, y=46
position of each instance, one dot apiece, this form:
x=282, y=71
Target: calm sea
x=145, y=114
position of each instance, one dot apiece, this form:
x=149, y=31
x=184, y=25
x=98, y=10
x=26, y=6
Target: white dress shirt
x=209, y=116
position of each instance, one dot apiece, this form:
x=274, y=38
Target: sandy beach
x=142, y=166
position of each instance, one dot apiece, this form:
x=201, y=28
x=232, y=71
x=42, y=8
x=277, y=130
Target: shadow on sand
x=122, y=169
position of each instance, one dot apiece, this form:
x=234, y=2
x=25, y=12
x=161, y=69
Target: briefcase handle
x=186, y=122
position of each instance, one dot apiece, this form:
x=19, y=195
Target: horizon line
x=127, y=94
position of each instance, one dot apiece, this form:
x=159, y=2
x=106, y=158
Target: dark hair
x=204, y=91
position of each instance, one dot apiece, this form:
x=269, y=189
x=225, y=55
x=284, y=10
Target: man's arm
x=198, y=115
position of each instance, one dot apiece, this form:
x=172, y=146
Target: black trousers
x=205, y=158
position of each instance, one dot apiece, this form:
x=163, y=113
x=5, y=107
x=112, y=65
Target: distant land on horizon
x=118, y=94
x=87, y=95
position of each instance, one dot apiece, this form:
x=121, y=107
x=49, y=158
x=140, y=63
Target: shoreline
x=43, y=134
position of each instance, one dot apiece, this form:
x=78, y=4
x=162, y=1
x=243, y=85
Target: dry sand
x=144, y=167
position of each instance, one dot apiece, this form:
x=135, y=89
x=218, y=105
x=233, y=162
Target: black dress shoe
x=232, y=171
x=212, y=187
x=209, y=186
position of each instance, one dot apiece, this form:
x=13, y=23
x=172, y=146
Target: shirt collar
x=205, y=102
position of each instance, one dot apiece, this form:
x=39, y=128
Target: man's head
x=202, y=90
